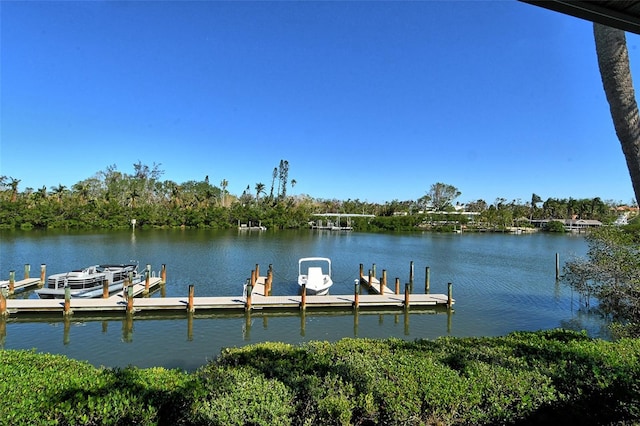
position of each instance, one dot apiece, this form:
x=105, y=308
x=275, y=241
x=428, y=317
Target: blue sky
x=374, y=101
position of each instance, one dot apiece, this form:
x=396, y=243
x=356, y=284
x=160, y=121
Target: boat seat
x=314, y=275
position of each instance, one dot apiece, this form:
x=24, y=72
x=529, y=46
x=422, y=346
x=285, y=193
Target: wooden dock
x=257, y=300
x=22, y=285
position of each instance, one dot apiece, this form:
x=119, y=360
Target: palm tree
x=224, y=185
x=14, y=189
x=613, y=60
x=59, y=191
x=259, y=190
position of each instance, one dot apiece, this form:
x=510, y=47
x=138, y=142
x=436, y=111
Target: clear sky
x=374, y=101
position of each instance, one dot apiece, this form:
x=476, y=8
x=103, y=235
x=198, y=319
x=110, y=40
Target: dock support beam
x=130, y=299
x=427, y=280
x=67, y=301
x=407, y=288
x=411, y=274
x=43, y=273
x=3, y=302
x=190, y=305
x=449, y=295
x=247, y=303
x=269, y=281
x=147, y=278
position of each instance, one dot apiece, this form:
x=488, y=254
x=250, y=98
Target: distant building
x=570, y=225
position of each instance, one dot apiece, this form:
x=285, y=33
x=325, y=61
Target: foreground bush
x=545, y=377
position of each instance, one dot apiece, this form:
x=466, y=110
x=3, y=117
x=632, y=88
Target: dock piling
x=449, y=295
x=411, y=274
x=163, y=274
x=190, y=305
x=105, y=288
x=383, y=281
x=12, y=281
x=3, y=302
x=268, y=282
x=147, y=278
x=557, y=266
x=43, y=273
x=397, y=285
x=27, y=271
x=303, y=298
x=130, y=299
x=427, y=280
x=67, y=301
x=356, y=293
x=407, y=288
x=247, y=303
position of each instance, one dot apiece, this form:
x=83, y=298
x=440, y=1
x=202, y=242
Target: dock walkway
x=257, y=301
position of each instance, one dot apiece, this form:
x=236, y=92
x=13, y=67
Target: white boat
x=89, y=282
x=315, y=274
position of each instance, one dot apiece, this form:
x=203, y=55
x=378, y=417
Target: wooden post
x=253, y=278
x=27, y=271
x=370, y=282
x=105, y=288
x=449, y=295
x=130, y=299
x=247, y=303
x=383, y=281
x=257, y=271
x=147, y=278
x=43, y=273
x=267, y=287
x=303, y=298
x=407, y=288
x=163, y=274
x=373, y=268
x=356, y=294
x=67, y=301
x=191, y=291
x=361, y=271
x=3, y=302
x=427, y=280
x=397, y=285
x=12, y=281
x=411, y=274
x=557, y=266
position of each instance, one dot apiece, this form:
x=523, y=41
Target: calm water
x=501, y=283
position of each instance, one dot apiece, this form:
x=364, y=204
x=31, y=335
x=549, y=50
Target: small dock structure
x=333, y=221
x=257, y=295
x=11, y=286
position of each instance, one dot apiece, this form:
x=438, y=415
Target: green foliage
x=544, y=377
x=611, y=273
x=554, y=226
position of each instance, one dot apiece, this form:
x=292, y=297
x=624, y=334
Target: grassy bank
x=545, y=377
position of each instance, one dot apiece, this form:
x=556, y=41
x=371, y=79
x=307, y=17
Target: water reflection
x=128, y=320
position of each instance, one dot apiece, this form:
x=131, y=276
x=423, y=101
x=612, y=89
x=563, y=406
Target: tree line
x=111, y=199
